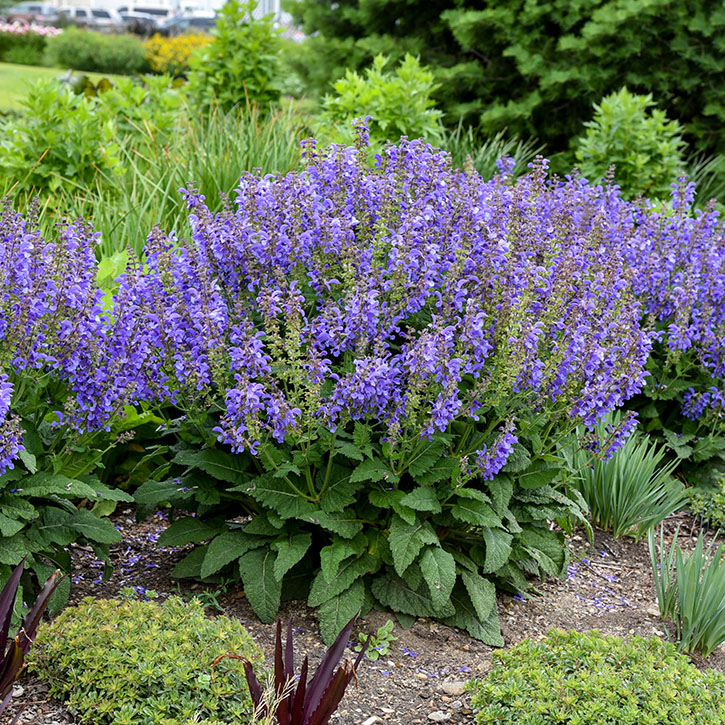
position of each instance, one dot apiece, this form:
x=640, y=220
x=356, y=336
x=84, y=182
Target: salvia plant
x=691, y=591
x=365, y=373
x=306, y=703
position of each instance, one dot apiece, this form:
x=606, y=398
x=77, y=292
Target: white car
x=102, y=19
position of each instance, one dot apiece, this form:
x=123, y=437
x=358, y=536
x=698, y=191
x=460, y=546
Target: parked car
x=101, y=19
x=181, y=24
x=139, y=23
x=29, y=12
x=161, y=12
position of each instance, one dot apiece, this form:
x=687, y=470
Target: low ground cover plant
x=586, y=679
x=130, y=662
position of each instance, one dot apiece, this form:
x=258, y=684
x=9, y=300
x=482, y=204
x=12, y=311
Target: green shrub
x=644, y=146
x=85, y=50
x=631, y=492
x=242, y=64
x=399, y=104
x=691, y=592
x=142, y=663
x=709, y=504
x=589, y=679
x=24, y=48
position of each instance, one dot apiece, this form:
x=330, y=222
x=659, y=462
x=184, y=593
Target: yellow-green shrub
x=171, y=55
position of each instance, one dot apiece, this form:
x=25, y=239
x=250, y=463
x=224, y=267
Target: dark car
x=181, y=24
x=140, y=23
x=29, y=12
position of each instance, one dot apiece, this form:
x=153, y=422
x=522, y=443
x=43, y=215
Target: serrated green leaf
x=190, y=531
x=487, y=631
x=263, y=525
x=422, y=498
x=350, y=450
x=444, y=469
x=373, y=470
x=537, y=474
x=334, y=553
x=221, y=465
x=406, y=541
x=261, y=587
x=501, y=490
x=153, y=492
x=18, y=508
x=350, y=570
x=547, y=547
x=518, y=461
x=361, y=435
x=12, y=550
x=498, y=549
x=336, y=612
x=343, y=523
x=106, y=493
x=340, y=490
x=393, y=592
x=276, y=493
x=29, y=461
x=46, y=484
x=481, y=592
x=285, y=469
x=439, y=572
x=10, y=527
x=190, y=566
x=93, y=528
x=475, y=512
x=427, y=454
x=290, y=549
x=391, y=500
x=226, y=548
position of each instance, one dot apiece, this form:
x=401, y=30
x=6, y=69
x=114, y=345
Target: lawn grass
x=16, y=79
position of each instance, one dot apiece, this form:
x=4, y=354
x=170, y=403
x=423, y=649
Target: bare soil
x=609, y=587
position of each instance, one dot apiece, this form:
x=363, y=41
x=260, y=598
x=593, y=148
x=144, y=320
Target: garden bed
x=609, y=588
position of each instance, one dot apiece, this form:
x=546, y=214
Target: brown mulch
x=609, y=588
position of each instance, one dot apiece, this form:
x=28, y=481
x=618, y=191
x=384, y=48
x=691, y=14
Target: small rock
x=453, y=688
x=18, y=691
x=372, y=719
x=456, y=705
x=439, y=716
x=653, y=610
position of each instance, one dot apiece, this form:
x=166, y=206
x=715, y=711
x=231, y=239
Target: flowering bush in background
x=171, y=55
x=23, y=43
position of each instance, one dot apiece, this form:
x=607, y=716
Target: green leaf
x=336, y=612
x=217, y=463
x=406, y=541
x=482, y=593
x=264, y=525
x=465, y=617
x=439, y=572
x=518, y=460
x=537, y=474
x=276, y=493
x=12, y=550
x=18, y=508
x=547, y=547
x=391, y=500
x=106, y=493
x=334, y=553
x=427, y=454
x=290, y=549
x=262, y=588
x=501, y=490
x=373, y=470
x=361, y=436
x=392, y=592
x=344, y=523
x=10, y=527
x=225, y=548
x=93, y=528
x=340, y=491
x=190, y=531
x=28, y=460
x=475, y=512
x=350, y=570
x=153, y=492
x=350, y=450
x=190, y=566
x=707, y=448
x=46, y=484
x=498, y=549
x=422, y=498
x=444, y=469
